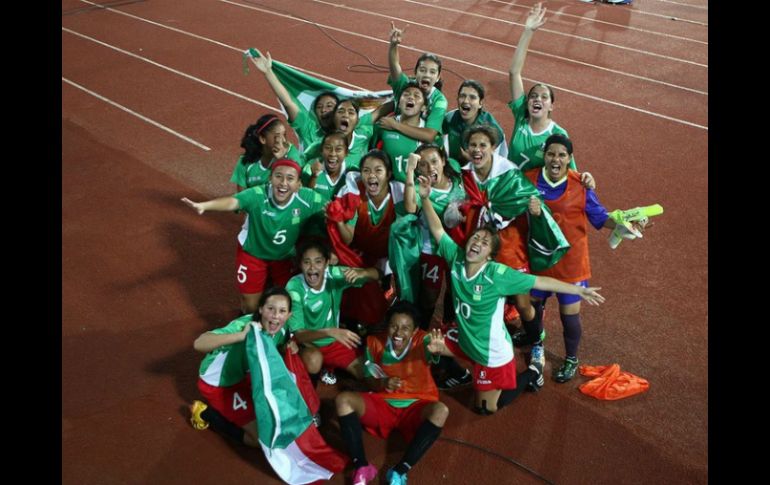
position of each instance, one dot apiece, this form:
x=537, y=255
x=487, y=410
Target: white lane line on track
x=681, y=4
x=555, y=12
x=171, y=69
x=585, y=39
x=512, y=46
x=221, y=44
x=141, y=117
x=576, y=93
x=636, y=11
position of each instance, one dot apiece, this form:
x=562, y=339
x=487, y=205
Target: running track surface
x=154, y=102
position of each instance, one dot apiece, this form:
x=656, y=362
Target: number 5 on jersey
x=280, y=237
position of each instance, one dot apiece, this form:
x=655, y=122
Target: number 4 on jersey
x=238, y=402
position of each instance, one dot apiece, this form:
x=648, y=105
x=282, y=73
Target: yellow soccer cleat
x=196, y=409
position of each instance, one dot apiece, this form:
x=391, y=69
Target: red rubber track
x=143, y=275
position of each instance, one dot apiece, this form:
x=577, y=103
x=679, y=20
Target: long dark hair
x=250, y=142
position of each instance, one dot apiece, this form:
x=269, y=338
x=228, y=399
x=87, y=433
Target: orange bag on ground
x=610, y=383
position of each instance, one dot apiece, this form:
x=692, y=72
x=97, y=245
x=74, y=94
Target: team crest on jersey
x=483, y=374
x=477, y=292
x=295, y=212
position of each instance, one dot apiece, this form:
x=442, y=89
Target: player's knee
x=343, y=403
x=313, y=359
x=439, y=414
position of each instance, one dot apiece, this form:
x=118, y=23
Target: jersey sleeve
x=398, y=85
x=436, y=115
x=297, y=319
x=595, y=211
x=249, y=199
x=519, y=109
x=511, y=282
x=239, y=173
x=305, y=126
x=447, y=248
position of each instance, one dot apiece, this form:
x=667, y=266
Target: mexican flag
x=291, y=442
x=305, y=88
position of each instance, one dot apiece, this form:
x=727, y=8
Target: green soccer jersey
x=327, y=187
x=440, y=200
x=437, y=103
x=479, y=302
x=359, y=144
x=255, y=173
x=227, y=365
x=318, y=309
x=307, y=128
x=454, y=126
x=398, y=147
x=271, y=231
x=526, y=148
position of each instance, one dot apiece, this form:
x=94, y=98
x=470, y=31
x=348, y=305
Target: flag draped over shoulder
x=304, y=89
x=291, y=443
x=366, y=304
x=507, y=199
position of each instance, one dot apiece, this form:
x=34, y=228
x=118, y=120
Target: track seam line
x=576, y=93
x=140, y=116
x=628, y=27
x=556, y=32
x=530, y=51
x=222, y=44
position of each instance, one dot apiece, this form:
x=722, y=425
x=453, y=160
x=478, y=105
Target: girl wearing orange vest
x=573, y=206
x=403, y=395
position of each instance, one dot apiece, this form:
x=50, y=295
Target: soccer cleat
x=510, y=314
x=364, y=474
x=395, y=478
x=196, y=409
x=520, y=338
x=450, y=383
x=537, y=364
x=328, y=377
x=567, y=370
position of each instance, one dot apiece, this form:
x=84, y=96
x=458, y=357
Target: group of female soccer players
x=313, y=257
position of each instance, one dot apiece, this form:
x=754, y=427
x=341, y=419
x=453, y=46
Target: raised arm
x=534, y=21
x=346, y=232
x=434, y=222
x=410, y=194
x=396, y=35
x=590, y=295
x=265, y=65
x=222, y=204
x=210, y=341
